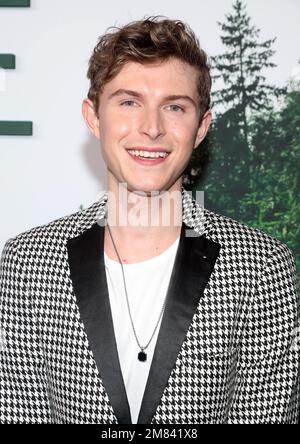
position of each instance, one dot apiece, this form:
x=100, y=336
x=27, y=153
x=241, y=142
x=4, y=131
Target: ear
x=203, y=128
x=91, y=117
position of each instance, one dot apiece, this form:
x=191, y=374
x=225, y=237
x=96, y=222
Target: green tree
x=240, y=68
x=272, y=204
x=223, y=165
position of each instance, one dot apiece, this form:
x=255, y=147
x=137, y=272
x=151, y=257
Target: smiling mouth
x=148, y=154
x=147, y=158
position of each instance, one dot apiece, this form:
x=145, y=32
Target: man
x=107, y=317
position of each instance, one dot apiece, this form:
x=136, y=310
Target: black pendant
x=142, y=356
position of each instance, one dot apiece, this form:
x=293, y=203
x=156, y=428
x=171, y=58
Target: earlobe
x=198, y=140
x=90, y=117
x=203, y=128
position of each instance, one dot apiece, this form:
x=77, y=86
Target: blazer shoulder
x=54, y=231
x=229, y=231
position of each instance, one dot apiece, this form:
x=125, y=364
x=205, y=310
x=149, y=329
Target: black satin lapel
x=194, y=263
x=86, y=261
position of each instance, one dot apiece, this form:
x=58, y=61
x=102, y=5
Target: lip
x=153, y=150
x=148, y=161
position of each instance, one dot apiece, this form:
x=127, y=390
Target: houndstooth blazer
x=226, y=350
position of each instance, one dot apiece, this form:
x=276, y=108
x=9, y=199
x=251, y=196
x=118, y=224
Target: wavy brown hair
x=146, y=41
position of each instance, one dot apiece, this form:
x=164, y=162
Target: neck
x=142, y=226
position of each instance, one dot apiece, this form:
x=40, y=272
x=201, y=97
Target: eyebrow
x=130, y=92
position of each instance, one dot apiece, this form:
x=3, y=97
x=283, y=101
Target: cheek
x=184, y=135
x=114, y=128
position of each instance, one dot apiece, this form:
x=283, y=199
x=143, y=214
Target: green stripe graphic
x=15, y=128
x=10, y=3
x=7, y=61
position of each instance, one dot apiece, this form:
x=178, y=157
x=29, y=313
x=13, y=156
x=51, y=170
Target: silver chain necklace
x=142, y=356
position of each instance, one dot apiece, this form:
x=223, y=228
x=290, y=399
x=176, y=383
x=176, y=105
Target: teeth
x=148, y=153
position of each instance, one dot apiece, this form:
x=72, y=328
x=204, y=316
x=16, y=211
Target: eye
x=178, y=107
x=128, y=101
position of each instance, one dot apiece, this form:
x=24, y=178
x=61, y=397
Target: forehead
x=171, y=75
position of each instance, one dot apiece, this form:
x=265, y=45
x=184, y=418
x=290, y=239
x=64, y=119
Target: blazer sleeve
x=266, y=387
x=23, y=388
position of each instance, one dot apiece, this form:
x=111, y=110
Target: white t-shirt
x=147, y=283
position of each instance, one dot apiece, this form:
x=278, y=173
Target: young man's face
x=128, y=121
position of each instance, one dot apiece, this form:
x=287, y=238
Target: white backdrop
x=52, y=173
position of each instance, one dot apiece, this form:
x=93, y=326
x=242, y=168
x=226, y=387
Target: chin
x=140, y=187
x=142, y=191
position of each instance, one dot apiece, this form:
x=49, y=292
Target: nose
x=151, y=123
